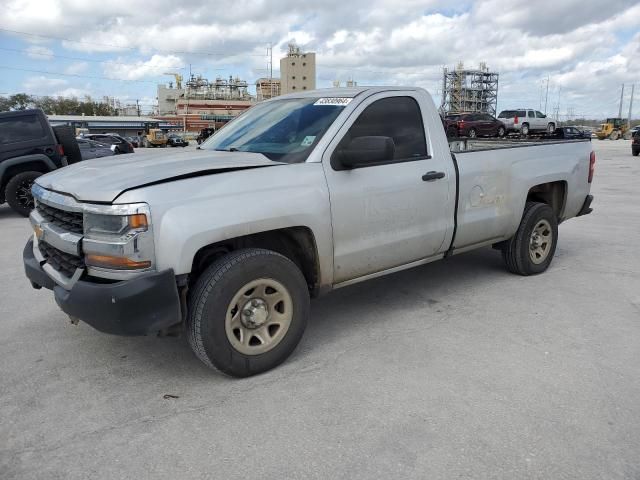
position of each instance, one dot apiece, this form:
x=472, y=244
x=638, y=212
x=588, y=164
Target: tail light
x=515, y=120
x=592, y=166
x=60, y=150
x=460, y=123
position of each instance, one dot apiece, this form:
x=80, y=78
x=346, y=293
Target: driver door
x=393, y=212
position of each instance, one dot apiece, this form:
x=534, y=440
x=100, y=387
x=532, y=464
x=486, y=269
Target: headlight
x=118, y=237
x=119, y=225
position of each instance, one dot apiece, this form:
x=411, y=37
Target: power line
x=84, y=59
x=124, y=47
x=77, y=75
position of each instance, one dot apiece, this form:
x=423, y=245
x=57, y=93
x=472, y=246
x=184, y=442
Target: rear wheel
x=531, y=249
x=18, y=192
x=551, y=127
x=247, y=312
x=67, y=139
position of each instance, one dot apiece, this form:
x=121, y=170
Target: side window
x=540, y=115
x=21, y=129
x=395, y=117
x=530, y=114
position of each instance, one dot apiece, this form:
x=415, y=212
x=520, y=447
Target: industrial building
x=297, y=71
x=469, y=90
x=125, y=126
x=201, y=103
x=267, y=88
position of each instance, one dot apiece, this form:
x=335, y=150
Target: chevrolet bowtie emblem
x=39, y=231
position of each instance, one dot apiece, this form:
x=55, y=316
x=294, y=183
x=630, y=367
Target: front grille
x=70, y=221
x=63, y=262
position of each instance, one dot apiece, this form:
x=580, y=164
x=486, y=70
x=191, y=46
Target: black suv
x=29, y=147
x=635, y=144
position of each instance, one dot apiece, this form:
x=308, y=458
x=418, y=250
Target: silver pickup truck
x=301, y=194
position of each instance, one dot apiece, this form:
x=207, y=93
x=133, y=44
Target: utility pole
x=270, y=54
x=621, y=98
x=633, y=87
x=546, y=97
x=138, y=106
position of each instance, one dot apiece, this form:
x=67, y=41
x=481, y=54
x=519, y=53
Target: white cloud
x=156, y=65
x=76, y=68
x=39, y=52
x=585, y=48
x=42, y=85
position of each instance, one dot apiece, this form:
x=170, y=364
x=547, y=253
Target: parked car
x=635, y=143
x=29, y=147
x=474, y=125
x=133, y=141
x=177, y=141
x=302, y=194
x=121, y=145
x=570, y=132
x=90, y=149
x=525, y=121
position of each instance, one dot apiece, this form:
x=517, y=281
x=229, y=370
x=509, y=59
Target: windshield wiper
x=230, y=149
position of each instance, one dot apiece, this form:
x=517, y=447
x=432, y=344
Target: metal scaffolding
x=469, y=90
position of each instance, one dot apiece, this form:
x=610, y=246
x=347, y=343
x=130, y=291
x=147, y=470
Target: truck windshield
x=282, y=130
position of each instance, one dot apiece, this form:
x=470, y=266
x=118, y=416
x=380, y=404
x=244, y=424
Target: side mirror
x=363, y=151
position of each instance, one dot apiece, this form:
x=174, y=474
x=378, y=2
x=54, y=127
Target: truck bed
x=495, y=177
x=457, y=145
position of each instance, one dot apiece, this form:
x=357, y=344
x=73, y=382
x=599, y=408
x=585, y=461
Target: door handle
x=431, y=176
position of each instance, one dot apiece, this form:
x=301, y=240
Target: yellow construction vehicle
x=613, y=129
x=154, y=137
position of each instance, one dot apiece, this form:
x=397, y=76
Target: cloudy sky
x=122, y=48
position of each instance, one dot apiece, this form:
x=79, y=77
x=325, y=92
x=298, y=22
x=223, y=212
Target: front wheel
x=247, y=312
x=501, y=132
x=18, y=192
x=531, y=249
x=473, y=133
x=525, y=129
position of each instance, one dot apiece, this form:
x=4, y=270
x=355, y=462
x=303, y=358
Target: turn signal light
x=138, y=221
x=119, y=263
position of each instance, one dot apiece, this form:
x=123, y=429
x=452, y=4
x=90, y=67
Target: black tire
x=472, y=133
x=525, y=129
x=67, y=139
x=211, y=297
x=18, y=192
x=551, y=127
x=501, y=132
x=634, y=152
x=452, y=132
x=516, y=252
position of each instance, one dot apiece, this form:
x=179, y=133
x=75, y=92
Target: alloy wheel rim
x=23, y=194
x=259, y=316
x=540, y=242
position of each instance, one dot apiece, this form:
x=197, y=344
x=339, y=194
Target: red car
x=473, y=125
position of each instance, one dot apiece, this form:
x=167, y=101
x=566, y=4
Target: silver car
x=90, y=149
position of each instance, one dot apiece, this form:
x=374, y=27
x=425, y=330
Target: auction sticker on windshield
x=334, y=101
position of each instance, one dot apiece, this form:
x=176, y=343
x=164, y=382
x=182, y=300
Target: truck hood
x=103, y=179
